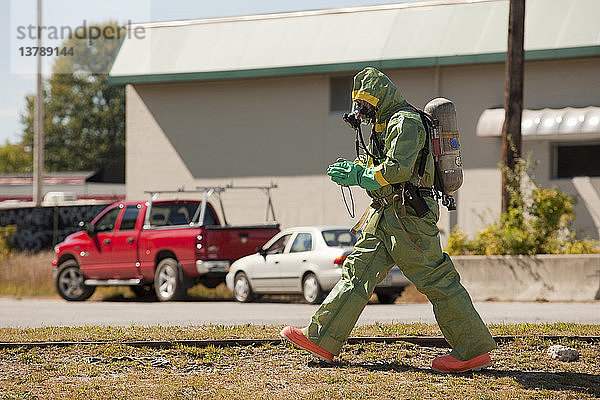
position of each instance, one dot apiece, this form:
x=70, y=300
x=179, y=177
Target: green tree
x=84, y=119
x=14, y=159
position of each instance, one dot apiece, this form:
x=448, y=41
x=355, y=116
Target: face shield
x=364, y=111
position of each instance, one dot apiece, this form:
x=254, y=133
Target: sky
x=17, y=77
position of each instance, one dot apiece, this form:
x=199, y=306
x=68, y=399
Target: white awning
x=564, y=123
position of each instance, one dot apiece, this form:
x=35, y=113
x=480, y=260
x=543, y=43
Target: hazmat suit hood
x=372, y=86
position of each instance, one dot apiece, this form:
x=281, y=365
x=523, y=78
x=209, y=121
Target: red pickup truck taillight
x=200, y=248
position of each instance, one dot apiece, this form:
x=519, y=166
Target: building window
x=340, y=88
x=579, y=159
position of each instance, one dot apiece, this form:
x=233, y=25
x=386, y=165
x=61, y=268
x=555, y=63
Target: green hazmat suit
x=395, y=237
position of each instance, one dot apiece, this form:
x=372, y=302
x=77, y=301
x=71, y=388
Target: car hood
x=252, y=258
x=74, y=238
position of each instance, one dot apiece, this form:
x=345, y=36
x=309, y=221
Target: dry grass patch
x=521, y=369
x=23, y=274
x=411, y=295
x=249, y=331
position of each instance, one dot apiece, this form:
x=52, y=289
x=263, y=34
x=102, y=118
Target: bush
x=538, y=223
x=6, y=235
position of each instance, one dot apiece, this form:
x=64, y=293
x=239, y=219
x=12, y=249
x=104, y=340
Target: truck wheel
x=168, y=284
x=241, y=289
x=313, y=294
x=69, y=282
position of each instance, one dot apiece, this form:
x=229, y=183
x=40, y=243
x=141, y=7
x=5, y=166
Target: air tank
x=446, y=144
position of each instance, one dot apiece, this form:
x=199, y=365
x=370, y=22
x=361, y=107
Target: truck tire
x=69, y=282
x=311, y=289
x=168, y=281
x=242, y=291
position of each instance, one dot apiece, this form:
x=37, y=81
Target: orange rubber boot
x=448, y=363
x=296, y=336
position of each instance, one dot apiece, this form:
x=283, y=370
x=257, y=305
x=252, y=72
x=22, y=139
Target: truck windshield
x=339, y=238
x=178, y=213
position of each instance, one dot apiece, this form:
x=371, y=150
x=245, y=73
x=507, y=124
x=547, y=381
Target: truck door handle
x=106, y=241
x=130, y=240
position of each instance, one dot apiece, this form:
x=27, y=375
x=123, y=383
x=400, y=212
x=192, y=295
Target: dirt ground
x=521, y=369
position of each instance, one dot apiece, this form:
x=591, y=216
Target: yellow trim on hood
x=362, y=95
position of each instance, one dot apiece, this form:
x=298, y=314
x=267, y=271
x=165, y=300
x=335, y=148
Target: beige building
x=258, y=99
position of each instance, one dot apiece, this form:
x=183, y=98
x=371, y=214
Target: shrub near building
x=539, y=223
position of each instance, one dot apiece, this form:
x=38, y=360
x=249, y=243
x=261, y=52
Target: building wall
x=280, y=130
x=195, y=134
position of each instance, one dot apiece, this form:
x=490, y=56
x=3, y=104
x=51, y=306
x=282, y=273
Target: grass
x=521, y=369
x=30, y=275
x=23, y=274
x=248, y=331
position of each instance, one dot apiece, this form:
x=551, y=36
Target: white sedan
x=302, y=260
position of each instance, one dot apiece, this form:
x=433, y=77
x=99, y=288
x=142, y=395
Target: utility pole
x=38, y=137
x=513, y=98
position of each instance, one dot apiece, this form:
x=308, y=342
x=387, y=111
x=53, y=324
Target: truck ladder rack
x=208, y=191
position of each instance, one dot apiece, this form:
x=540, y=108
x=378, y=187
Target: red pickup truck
x=153, y=245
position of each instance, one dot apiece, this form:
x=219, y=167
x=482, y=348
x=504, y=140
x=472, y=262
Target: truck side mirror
x=86, y=227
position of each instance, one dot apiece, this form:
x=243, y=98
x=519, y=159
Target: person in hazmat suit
x=395, y=234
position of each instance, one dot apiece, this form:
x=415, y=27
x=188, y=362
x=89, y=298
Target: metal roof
x=548, y=123
x=388, y=36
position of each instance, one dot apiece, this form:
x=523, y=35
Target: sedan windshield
x=339, y=238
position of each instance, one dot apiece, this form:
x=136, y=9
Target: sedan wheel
x=167, y=283
x=241, y=288
x=69, y=282
x=311, y=289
